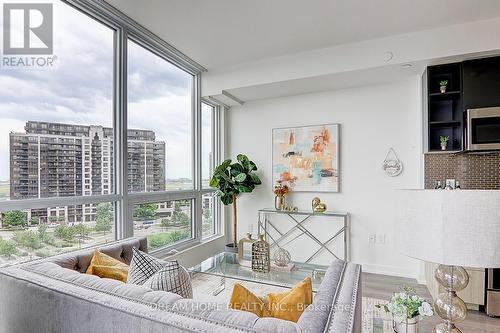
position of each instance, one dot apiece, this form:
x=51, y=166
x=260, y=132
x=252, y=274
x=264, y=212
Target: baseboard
x=390, y=270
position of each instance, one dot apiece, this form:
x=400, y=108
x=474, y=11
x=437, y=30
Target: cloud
x=79, y=90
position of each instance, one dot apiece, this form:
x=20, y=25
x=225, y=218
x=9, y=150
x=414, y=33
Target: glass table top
x=226, y=265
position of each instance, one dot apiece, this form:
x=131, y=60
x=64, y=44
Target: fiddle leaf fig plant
x=231, y=179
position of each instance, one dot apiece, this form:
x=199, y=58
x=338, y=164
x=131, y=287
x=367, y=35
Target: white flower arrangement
x=407, y=305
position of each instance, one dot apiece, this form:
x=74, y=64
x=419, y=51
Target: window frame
x=126, y=29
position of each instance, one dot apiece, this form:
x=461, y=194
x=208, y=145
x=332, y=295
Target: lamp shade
x=457, y=227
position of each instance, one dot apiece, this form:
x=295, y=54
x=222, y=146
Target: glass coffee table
x=225, y=265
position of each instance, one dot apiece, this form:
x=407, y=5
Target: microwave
x=483, y=129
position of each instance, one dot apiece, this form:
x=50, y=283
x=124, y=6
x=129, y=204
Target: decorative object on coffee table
x=453, y=229
x=306, y=158
x=247, y=240
x=444, y=141
x=280, y=192
x=260, y=255
x=232, y=179
x=392, y=165
x=407, y=308
x=317, y=205
x=282, y=257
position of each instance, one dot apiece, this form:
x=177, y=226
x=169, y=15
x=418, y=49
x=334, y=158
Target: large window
x=164, y=223
x=82, y=165
x=160, y=121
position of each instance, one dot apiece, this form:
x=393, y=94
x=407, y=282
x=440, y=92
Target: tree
x=65, y=233
x=232, y=179
x=165, y=223
x=145, y=211
x=178, y=216
x=28, y=239
x=7, y=248
x=42, y=232
x=15, y=218
x=104, y=217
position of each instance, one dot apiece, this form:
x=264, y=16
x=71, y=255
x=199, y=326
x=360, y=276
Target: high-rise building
x=61, y=160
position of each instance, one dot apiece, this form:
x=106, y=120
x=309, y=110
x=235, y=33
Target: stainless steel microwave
x=483, y=129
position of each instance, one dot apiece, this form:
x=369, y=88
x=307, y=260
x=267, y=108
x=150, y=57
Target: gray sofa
x=53, y=296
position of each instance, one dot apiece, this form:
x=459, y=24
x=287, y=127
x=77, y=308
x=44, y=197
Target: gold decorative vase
x=280, y=202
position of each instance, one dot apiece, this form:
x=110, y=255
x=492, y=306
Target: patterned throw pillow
x=174, y=279
x=157, y=274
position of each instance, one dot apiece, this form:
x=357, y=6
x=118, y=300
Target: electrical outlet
x=372, y=239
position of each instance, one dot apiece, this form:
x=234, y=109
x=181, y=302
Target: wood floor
x=382, y=287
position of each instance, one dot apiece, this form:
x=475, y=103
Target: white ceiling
x=219, y=33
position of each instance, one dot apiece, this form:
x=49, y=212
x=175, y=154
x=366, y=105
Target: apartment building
x=62, y=160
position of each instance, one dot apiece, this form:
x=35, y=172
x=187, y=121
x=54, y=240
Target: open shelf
x=445, y=112
x=445, y=93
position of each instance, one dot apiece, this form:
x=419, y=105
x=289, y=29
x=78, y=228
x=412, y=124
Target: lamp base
x=448, y=305
x=445, y=328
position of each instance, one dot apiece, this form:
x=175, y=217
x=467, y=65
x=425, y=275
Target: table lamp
x=455, y=229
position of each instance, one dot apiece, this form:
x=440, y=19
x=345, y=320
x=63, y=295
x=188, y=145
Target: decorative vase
x=442, y=89
x=247, y=240
x=260, y=255
x=444, y=145
x=407, y=326
x=280, y=202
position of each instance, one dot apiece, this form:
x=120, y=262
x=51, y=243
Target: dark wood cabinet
x=481, y=83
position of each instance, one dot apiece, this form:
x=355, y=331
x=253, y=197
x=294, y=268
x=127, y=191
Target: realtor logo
x=27, y=28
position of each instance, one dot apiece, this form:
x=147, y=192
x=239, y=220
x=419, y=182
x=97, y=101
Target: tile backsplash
x=472, y=170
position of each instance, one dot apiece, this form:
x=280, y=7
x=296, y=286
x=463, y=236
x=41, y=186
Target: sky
x=78, y=90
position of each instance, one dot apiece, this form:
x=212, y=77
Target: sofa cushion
x=106, y=266
x=143, y=266
x=173, y=278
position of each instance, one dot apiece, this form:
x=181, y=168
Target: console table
x=299, y=217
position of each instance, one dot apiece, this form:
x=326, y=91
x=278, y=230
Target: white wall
x=372, y=119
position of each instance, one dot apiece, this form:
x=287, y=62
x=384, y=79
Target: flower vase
x=279, y=202
x=407, y=326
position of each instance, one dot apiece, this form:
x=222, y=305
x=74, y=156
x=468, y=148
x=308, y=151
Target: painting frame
x=334, y=131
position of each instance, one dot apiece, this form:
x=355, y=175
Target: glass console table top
x=225, y=265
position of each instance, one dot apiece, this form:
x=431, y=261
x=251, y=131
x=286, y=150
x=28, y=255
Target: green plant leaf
x=252, y=166
x=227, y=199
x=214, y=182
x=240, y=177
x=255, y=179
x=236, y=168
x=244, y=188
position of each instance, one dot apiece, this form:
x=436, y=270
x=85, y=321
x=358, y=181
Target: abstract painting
x=307, y=158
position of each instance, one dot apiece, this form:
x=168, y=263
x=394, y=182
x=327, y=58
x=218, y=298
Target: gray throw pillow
x=157, y=274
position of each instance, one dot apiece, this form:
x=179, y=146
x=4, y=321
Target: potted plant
x=442, y=86
x=407, y=308
x=230, y=180
x=444, y=141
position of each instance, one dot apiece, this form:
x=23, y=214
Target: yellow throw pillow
x=117, y=272
x=103, y=260
x=288, y=305
x=243, y=299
